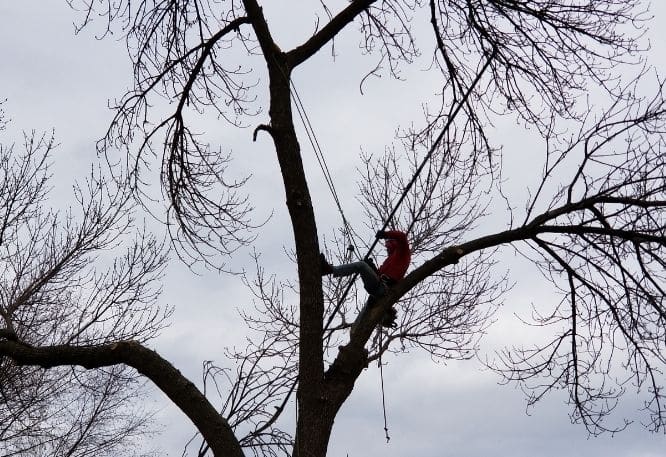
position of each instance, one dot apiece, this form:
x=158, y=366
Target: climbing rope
x=321, y=159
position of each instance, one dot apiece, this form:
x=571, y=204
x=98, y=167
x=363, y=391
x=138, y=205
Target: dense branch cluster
x=58, y=287
x=602, y=242
x=594, y=223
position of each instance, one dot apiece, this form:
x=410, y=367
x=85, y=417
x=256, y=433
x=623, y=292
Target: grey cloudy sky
x=53, y=79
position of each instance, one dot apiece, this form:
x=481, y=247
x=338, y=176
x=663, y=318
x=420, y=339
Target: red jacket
x=399, y=255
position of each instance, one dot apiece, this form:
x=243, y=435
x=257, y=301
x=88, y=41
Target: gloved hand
x=381, y=234
x=371, y=262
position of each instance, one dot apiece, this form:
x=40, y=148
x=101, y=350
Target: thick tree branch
x=180, y=390
x=303, y=52
x=629, y=235
x=353, y=358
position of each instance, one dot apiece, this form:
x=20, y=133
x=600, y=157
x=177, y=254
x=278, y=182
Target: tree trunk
x=313, y=428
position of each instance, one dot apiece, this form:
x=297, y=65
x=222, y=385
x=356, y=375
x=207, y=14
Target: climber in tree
x=377, y=281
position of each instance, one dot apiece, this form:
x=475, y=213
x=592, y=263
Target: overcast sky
x=53, y=79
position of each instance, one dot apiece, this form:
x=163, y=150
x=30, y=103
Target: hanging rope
x=413, y=180
x=381, y=377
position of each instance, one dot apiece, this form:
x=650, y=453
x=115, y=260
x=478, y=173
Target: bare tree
x=59, y=287
x=594, y=224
